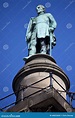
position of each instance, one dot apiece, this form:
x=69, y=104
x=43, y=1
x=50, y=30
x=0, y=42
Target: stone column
x=36, y=68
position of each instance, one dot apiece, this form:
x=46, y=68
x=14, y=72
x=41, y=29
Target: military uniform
x=40, y=28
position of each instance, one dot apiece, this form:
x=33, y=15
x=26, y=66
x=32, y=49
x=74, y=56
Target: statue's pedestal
x=36, y=68
x=33, y=85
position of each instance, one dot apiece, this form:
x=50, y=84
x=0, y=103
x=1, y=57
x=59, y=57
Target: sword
x=51, y=43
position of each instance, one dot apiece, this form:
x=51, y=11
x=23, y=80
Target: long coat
x=40, y=27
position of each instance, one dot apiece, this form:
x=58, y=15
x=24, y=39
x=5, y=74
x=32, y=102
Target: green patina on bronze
x=40, y=33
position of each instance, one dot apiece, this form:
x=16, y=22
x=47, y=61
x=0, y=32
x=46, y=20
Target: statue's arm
x=53, y=22
x=29, y=31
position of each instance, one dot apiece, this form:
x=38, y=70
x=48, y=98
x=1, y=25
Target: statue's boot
x=32, y=51
x=25, y=58
x=43, y=47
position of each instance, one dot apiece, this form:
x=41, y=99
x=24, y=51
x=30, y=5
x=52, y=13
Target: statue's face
x=40, y=8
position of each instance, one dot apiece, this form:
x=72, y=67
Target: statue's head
x=40, y=8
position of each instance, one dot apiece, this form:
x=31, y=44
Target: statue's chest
x=41, y=19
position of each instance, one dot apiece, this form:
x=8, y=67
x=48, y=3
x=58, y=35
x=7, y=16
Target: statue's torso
x=42, y=26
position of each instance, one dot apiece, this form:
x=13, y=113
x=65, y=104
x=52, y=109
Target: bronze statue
x=40, y=33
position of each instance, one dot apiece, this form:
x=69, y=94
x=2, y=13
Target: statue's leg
x=47, y=45
x=32, y=49
x=38, y=46
x=48, y=49
x=43, y=46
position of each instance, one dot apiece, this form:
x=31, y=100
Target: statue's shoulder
x=33, y=18
x=48, y=14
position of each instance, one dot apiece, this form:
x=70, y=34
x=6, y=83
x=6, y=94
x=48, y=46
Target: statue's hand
x=51, y=29
x=28, y=36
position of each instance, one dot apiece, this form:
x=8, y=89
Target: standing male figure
x=40, y=34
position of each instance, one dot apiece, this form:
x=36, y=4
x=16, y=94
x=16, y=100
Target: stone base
x=49, y=100
x=35, y=69
x=32, y=83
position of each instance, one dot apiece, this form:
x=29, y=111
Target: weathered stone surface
x=36, y=68
x=40, y=96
